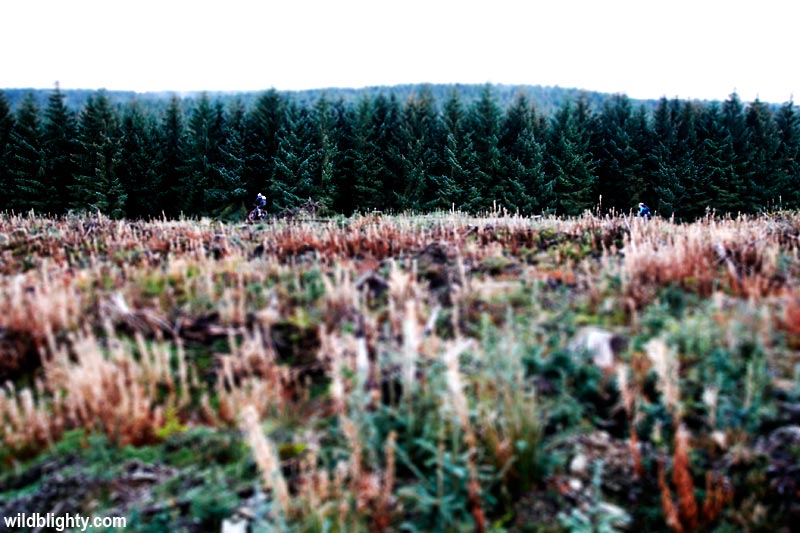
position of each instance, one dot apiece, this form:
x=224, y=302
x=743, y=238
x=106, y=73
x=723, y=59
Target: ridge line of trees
x=138, y=160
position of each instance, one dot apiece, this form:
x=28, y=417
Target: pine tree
x=571, y=164
x=28, y=160
x=6, y=127
x=97, y=185
x=61, y=149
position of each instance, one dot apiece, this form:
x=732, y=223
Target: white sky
x=645, y=48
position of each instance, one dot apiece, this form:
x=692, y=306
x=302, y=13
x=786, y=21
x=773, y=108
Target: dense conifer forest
x=408, y=148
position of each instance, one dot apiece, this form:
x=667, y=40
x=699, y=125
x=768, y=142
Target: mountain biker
x=259, y=213
x=644, y=211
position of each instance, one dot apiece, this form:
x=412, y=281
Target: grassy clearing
x=438, y=372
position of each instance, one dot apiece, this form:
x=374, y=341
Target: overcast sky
x=702, y=49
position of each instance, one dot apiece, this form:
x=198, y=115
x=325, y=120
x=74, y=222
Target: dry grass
x=102, y=319
x=741, y=256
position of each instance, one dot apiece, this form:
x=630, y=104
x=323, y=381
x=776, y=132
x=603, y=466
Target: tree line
x=419, y=153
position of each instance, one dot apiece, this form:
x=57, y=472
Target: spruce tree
x=571, y=163
x=660, y=158
x=296, y=169
x=620, y=164
x=763, y=144
x=718, y=161
x=326, y=153
x=61, y=149
x=97, y=184
x=426, y=139
x=261, y=145
x=741, y=190
x=486, y=184
x=28, y=160
x=233, y=159
x=642, y=138
x=367, y=165
x=787, y=123
x=170, y=163
x=203, y=191
x=676, y=185
x=387, y=145
x=664, y=119
x=451, y=185
x=345, y=139
x=137, y=173
x=525, y=188
x=6, y=127
x=308, y=155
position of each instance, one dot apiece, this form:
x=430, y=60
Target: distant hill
x=545, y=98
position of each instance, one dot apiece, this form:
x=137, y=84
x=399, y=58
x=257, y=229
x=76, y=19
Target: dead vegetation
x=394, y=342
